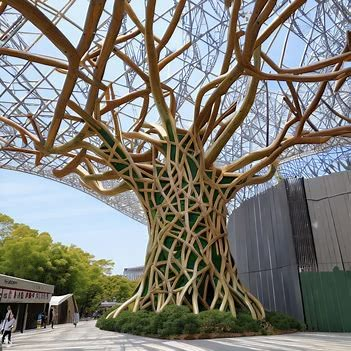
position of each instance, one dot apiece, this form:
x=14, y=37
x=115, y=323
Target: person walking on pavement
x=43, y=320
x=7, y=325
x=75, y=318
x=9, y=312
x=52, y=317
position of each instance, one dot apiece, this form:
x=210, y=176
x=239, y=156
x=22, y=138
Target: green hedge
x=281, y=321
x=177, y=321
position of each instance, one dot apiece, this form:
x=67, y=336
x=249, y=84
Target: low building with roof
x=64, y=308
x=105, y=305
x=27, y=299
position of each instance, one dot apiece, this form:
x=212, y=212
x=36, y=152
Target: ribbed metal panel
x=329, y=203
x=261, y=242
x=327, y=300
x=301, y=225
x=298, y=226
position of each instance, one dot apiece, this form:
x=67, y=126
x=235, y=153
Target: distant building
x=105, y=305
x=27, y=299
x=64, y=306
x=133, y=273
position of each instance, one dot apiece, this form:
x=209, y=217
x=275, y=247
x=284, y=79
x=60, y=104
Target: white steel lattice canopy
x=29, y=91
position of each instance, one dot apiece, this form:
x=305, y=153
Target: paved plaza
x=87, y=337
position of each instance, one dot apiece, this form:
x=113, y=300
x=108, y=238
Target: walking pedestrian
x=75, y=319
x=52, y=317
x=8, y=312
x=7, y=325
x=43, y=319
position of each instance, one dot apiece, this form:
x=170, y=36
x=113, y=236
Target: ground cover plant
x=177, y=322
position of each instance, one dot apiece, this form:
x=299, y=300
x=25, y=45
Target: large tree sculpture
x=172, y=170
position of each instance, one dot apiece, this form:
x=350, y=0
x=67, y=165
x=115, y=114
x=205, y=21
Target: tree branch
x=109, y=42
x=289, y=10
x=155, y=83
x=70, y=166
x=237, y=119
x=2, y=7
x=87, y=180
x=23, y=132
x=171, y=27
x=43, y=23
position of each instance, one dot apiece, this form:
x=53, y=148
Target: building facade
x=133, y=273
x=65, y=306
x=27, y=300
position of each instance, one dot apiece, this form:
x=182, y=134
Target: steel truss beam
x=30, y=91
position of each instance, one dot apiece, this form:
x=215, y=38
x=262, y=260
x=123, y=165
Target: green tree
x=6, y=225
x=27, y=253
x=24, y=253
x=118, y=288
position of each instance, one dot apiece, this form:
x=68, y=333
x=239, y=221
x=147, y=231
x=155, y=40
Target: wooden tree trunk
x=188, y=259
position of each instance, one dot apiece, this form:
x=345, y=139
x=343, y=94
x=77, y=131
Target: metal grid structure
x=29, y=91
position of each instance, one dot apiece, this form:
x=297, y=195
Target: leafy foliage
x=118, y=288
x=175, y=321
x=283, y=321
x=27, y=253
x=6, y=225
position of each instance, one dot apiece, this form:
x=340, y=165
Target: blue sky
x=73, y=217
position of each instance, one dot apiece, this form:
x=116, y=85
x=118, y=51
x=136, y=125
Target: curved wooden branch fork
x=173, y=170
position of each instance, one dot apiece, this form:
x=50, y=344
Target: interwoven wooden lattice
x=188, y=258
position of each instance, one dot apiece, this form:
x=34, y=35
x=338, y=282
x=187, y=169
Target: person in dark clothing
x=43, y=319
x=7, y=325
x=52, y=317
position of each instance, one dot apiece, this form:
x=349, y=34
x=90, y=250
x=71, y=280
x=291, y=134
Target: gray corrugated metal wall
x=262, y=237
x=329, y=203
x=263, y=249
x=301, y=225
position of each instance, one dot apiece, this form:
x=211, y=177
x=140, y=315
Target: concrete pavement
x=87, y=337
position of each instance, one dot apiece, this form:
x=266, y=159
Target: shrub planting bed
x=177, y=322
